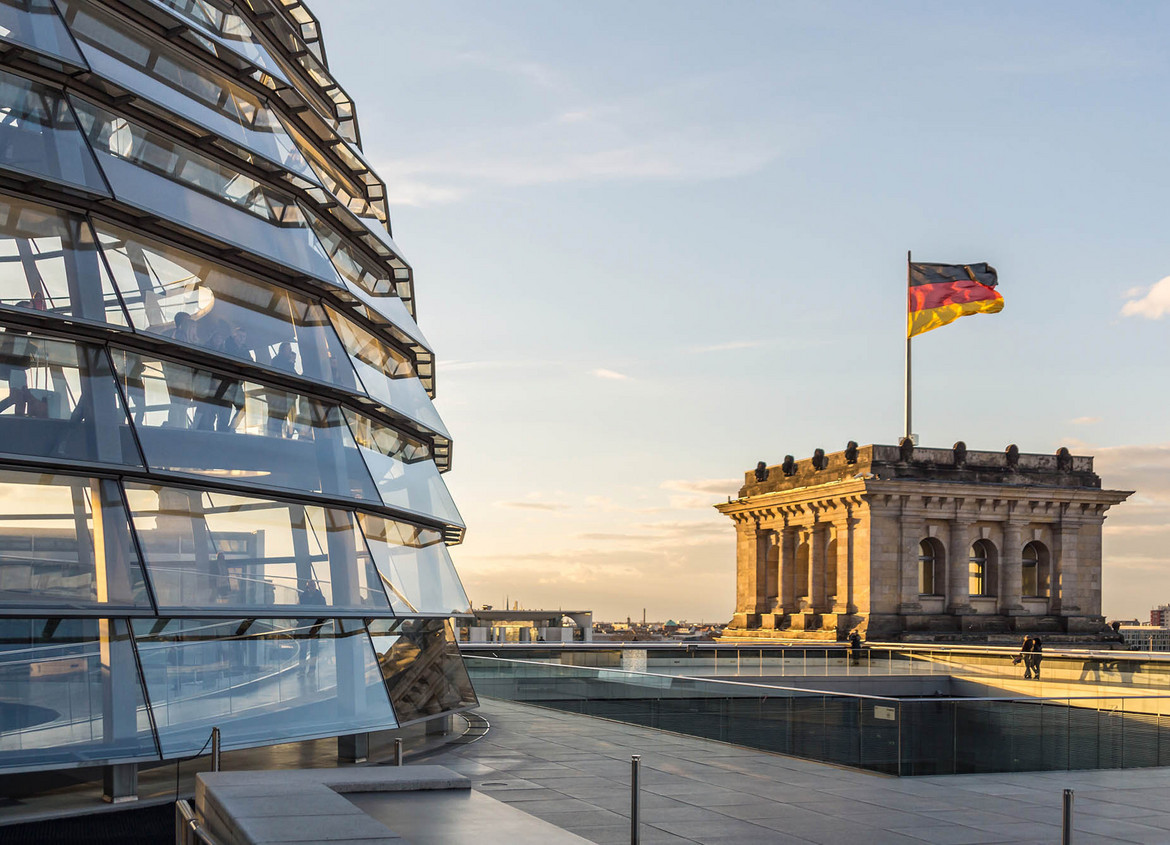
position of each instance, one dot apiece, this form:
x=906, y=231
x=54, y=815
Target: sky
x=656, y=242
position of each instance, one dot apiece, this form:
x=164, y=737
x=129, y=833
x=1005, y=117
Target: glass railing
x=904, y=735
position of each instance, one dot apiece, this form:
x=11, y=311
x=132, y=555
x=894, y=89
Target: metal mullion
x=145, y=689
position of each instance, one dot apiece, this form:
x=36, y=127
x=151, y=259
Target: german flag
x=942, y=293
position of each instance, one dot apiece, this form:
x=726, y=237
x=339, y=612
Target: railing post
x=398, y=751
x=215, y=749
x=1066, y=822
x=635, y=803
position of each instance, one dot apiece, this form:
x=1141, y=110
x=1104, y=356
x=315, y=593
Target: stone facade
x=904, y=543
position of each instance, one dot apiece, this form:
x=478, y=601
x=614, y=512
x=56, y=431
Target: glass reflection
x=226, y=26
x=387, y=374
x=65, y=543
x=415, y=566
x=35, y=24
x=50, y=264
x=207, y=550
x=152, y=172
x=230, y=313
x=70, y=693
x=260, y=680
x=420, y=662
x=164, y=75
x=217, y=424
x=59, y=400
x=403, y=469
x=39, y=136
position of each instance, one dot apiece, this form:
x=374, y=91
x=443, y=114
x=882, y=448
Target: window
x=981, y=569
x=35, y=24
x=420, y=663
x=206, y=550
x=230, y=313
x=162, y=74
x=39, y=137
x=1034, y=571
x=49, y=264
x=65, y=543
x=277, y=680
x=388, y=375
x=71, y=694
x=403, y=469
x=415, y=566
x=931, y=563
x=207, y=423
x=59, y=400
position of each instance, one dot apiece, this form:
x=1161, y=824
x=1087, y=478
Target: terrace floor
x=574, y=771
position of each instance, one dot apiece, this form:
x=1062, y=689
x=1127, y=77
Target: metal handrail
x=569, y=670
x=189, y=829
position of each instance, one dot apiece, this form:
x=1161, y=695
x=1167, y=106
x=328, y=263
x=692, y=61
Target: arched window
x=931, y=566
x=981, y=569
x=1034, y=571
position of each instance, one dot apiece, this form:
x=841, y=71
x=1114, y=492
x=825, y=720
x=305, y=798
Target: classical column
x=771, y=556
x=958, y=561
x=910, y=535
x=817, y=538
x=1011, y=558
x=788, y=541
x=1066, y=575
x=748, y=567
x=844, y=603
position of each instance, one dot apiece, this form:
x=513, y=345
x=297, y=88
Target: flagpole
x=907, y=433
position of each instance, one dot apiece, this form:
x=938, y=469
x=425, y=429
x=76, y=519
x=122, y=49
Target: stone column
x=1011, y=557
x=771, y=558
x=786, y=603
x=817, y=539
x=909, y=537
x=1066, y=574
x=748, y=570
x=958, y=560
x=844, y=603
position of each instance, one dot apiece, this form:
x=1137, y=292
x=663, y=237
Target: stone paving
x=574, y=771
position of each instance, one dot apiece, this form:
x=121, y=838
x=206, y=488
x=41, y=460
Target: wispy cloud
x=535, y=506
x=1086, y=420
x=610, y=374
x=733, y=345
x=704, y=485
x=1153, y=302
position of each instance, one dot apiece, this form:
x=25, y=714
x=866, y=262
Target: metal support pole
x=398, y=751
x=1066, y=822
x=635, y=803
x=215, y=749
x=908, y=427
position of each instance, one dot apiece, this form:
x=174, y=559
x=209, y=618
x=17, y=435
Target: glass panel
x=226, y=27
x=70, y=693
x=387, y=374
x=391, y=309
x=35, y=24
x=415, y=566
x=339, y=184
x=163, y=75
x=230, y=313
x=213, y=424
x=260, y=680
x=59, y=400
x=403, y=469
x=39, y=137
x=350, y=263
x=49, y=263
x=152, y=172
x=208, y=550
x=51, y=553
x=422, y=667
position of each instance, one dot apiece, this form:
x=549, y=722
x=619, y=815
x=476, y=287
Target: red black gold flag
x=942, y=293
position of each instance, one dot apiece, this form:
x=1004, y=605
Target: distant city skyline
x=659, y=242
